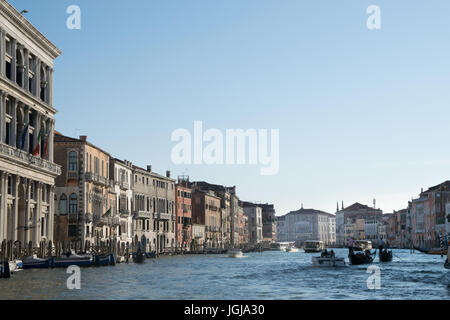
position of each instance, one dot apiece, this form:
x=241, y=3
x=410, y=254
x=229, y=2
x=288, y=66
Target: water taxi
x=279, y=246
x=235, y=253
x=328, y=262
x=313, y=246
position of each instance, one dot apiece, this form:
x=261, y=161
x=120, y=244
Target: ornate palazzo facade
x=27, y=120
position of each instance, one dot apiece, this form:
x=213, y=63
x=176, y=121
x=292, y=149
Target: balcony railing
x=91, y=177
x=163, y=216
x=123, y=185
x=124, y=212
x=142, y=215
x=14, y=154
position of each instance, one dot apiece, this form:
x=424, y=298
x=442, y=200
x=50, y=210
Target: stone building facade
x=85, y=198
x=206, y=211
x=154, y=205
x=27, y=120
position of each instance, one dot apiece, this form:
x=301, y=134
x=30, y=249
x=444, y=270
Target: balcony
x=163, y=216
x=123, y=185
x=28, y=160
x=142, y=215
x=124, y=213
x=91, y=177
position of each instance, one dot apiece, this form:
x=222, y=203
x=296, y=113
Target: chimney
x=149, y=168
x=168, y=174
x=83, y=138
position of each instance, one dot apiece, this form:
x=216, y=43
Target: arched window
x=63, y=204
x=73, y=207
x=73, y=161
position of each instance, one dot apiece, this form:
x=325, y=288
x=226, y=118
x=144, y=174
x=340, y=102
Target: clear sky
x=362, y=114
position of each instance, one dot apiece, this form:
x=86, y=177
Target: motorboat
x=34, y=262
x=292, y=248
x=328, y=261
x=313, y=246
x=279, y=246
x=235, y=253
x=73, y=259
x=360, y=257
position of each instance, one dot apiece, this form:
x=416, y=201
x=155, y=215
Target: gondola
x=385, y=255
x=359, y=258
x=139, y=257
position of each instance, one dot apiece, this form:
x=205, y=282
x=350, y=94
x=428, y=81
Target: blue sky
x=362, y=114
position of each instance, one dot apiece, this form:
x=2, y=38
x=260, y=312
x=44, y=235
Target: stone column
x=2, y=117
x=26, y=70
x=27, y=212
x=37, y=217
x=14, y=57
x=51, y=136
x=2, y=206
x=51, y=213
x=13, y=124
x=37, y=76
x=15, y=208
x=48, y=92
x=2, y=52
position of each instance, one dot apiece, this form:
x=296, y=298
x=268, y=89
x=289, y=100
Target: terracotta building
x=183, y=202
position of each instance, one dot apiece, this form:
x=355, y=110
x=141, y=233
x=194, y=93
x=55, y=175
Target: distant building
x=306, y=224
x=206, y=211
x=255, y=222
x=428, y=215
x=358, y=214
x=183, y=213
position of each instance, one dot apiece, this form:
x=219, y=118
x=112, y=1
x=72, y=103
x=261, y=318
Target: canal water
x=259, y=276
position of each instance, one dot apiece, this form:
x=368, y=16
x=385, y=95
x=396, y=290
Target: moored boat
x=434, y=251
x=104, y=260
x=72, y=259
x=235, y=253
x=36, y=263
x=15, y=265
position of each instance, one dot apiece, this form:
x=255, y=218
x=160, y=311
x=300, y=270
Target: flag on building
x=23, y=136
x=37, y=150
